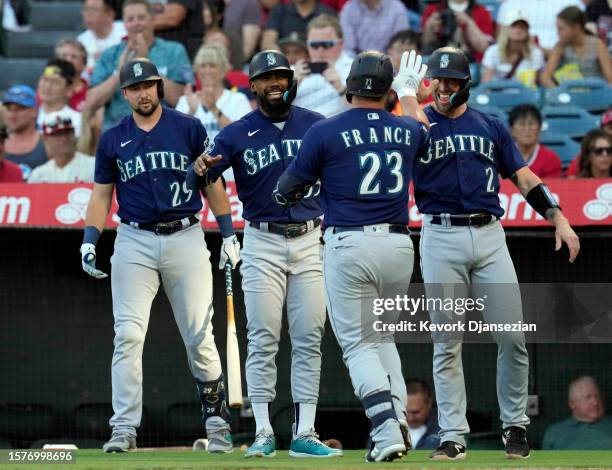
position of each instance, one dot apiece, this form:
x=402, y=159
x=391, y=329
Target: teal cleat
x=308, y=445
x=263, y=446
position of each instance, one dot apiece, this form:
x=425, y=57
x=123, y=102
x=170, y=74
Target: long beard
x=277, y=109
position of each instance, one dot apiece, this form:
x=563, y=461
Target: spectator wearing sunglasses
x=322, y=81
x=595, y=155
x=606, y=126
x=286, y=18
x=370, y=24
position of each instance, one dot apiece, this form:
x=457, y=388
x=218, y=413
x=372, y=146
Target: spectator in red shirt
x=460, y=23
x=525, y=125
x=606, y=126
x=595, y=155
x=9, y=171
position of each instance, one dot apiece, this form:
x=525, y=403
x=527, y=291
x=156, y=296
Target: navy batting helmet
x=450, y=62
x=370, y=76
x=268, y=61
x=140, y=70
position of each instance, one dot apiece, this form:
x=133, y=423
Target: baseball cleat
x=386, y=454
x=120, y=442
x=515, y=441
x=264, y=445
x=219, y=436
x=449, y=450
x=308, y=445
x=405, y=434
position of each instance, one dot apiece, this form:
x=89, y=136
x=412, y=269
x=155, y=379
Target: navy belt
x=164, y=228
x=288, y=230
x=393, y=228
x=473, y=220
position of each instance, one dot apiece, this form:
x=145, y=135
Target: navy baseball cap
x=22, y=95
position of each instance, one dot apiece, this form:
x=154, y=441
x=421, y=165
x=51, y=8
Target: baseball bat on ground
x=234, y=380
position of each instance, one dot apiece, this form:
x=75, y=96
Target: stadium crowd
x=202, y=48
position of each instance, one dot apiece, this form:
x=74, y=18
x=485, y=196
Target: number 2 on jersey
x=490, y=186
x=176, y=193
x=370, y=183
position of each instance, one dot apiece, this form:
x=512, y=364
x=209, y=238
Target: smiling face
x=142, y=97
x=442, y=95
x=270, y=87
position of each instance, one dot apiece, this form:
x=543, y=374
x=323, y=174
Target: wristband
x=91, y=235
x=225, y=225
x=541, y=199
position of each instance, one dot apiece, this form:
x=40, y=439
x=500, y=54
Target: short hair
x=212, y=54
x=145, y=3
x=584, y=378
x=72, y=42
x=405, y=36
x=415, y=386
x=62, y=67
x=523, y=111
x=324, y=21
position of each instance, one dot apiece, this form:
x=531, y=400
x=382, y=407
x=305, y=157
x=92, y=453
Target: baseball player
x=145, y=157
x=463, y=244
x=280, y=257
x=363, y=158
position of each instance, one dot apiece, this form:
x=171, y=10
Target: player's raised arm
x=97, y=212
x=539, y=197
x=407, y=82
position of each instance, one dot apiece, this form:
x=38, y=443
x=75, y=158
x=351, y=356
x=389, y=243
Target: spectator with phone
x=322, y=80
x=461, y=23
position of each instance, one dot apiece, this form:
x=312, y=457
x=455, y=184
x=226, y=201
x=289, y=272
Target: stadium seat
x=562, y=144
x=592, y=94
x=24, y=421
x=39, y=44
x=504, y=94
x=572, y=121
x=91, y=420
x=184, y=420
x=497, y=112
x=475, y=73
x=56, y=16
x=17, y=71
